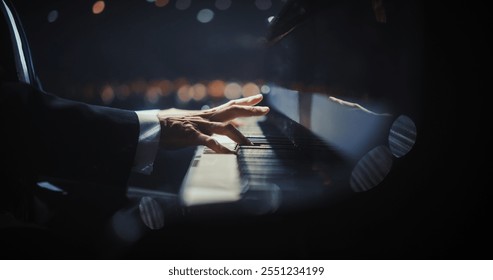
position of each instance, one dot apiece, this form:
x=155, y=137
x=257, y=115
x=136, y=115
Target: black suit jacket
x=45, y=135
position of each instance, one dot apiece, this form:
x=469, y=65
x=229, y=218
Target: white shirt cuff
x=150, y=132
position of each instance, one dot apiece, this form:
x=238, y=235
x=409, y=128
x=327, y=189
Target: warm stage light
x=98, y=7
x=184, y=93
x=153, y=93
x=232, y=91
x=161, y=3
x=199, y=92
x=216, y=88
x=107, y=94
x=166, y=87
x=250, y=89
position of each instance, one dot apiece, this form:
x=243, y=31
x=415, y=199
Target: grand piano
x=344, y=88
x=335, y=171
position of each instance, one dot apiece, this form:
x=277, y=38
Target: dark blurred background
x=142, y=54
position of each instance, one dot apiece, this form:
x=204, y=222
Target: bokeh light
x=371, y=169
x=107, y=94
x=52, y=16
x=232, y=91
x=223, y=4
x=250, y=89
x=161, y=3
x=402, y=136
x=265, y=89
x=184, y=93
x=216, y=88
x=125, y=225
x=98, y=7
x=166, y=87
x=151, y=213
x=205, y=15
x=199, y=92
x=153, y=93
x=183, y=4
x=263, y=4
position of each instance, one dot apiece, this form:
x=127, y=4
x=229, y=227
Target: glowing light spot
x=216, y=88
x=270, y=19
x=263, y=4
x=183, y=4
x=223, y=4
x=98, y=7
x=52, y=16
x=232, y=91
x=199, y=92
x=265, y=89
x=371, y=169
x=161, y=3
x=151, y=213
x=166, y=87
x=402, y=136
x=205, y=15
x=125, y=225
x=153, y=93
x=205, y=107
x=107, y=94
x=184, y=93
x=250, y=89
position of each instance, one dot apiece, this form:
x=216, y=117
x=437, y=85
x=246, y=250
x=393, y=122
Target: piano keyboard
x=277, y=159
x=296, y=166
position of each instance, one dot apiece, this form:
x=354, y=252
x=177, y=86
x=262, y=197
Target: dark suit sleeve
x=65, y=139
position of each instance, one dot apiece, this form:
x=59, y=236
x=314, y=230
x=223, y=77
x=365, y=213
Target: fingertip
x=263, y=109
x=222, y=149
x=246, y=142
x=255, y=99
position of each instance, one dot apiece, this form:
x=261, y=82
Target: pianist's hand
x=190, y=128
